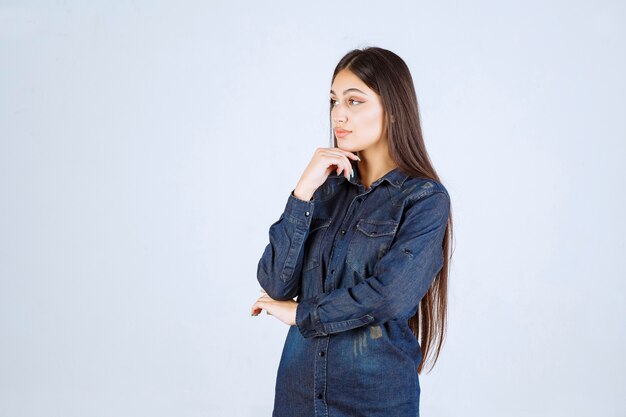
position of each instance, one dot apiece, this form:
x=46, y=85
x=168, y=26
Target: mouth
x=341, y=133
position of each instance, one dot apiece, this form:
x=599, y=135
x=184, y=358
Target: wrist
x=303, y=193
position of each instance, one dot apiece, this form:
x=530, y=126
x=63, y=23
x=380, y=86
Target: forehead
x=345, y=80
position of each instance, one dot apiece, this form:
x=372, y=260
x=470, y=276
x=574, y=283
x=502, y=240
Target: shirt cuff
x=307, y=319
x=299, y=211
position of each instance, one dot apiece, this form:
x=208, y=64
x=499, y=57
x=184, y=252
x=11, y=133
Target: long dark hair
x=388, y=75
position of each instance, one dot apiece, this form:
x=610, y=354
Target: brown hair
x=388, y=75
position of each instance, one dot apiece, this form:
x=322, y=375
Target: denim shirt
x=359, y=260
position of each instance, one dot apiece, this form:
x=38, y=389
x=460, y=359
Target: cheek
x=373, y=115
x=373, y=120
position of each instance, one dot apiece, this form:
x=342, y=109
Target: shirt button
x=332, y=271
x=319, y=396
x=343, y=232
x=322, y=353
x=307, y=213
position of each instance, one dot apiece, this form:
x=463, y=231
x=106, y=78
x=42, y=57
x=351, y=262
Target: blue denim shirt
x=359, y=260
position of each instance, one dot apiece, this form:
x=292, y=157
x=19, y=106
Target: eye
x=333, y=101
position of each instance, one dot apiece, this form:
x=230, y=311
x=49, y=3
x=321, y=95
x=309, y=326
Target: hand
x=284, y=311
x=323, y=162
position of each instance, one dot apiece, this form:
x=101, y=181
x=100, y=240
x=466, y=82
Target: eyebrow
x=349, y=89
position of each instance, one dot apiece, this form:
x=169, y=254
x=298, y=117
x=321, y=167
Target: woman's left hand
x=284, y=311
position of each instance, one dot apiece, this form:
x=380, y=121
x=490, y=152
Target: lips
x=340, y=133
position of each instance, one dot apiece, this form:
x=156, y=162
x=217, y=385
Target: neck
x=373, y=166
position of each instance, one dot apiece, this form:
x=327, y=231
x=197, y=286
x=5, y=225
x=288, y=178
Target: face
x=357, y=109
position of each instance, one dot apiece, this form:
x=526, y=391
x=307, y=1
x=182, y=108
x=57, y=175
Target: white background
x=146, y=148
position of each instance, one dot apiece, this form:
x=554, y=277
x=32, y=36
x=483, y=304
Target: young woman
x=363, y=243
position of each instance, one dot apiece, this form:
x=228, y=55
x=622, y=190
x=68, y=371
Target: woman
x=363, y=242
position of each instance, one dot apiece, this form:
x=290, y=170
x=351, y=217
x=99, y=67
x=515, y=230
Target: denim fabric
x=359, y=260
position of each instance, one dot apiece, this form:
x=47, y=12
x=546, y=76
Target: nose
x=338, y=115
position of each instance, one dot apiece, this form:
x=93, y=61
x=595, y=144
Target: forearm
x=279, y=269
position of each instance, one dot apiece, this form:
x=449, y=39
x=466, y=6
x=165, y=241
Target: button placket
x=328, y=283
x=319, y=388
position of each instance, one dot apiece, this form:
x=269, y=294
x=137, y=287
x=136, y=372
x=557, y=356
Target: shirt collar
x=394, y=177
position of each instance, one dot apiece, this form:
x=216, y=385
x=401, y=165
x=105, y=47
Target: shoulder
x=417, y=188
x=425, y=202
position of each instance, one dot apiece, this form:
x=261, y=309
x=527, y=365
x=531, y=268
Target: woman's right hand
x=323, y=162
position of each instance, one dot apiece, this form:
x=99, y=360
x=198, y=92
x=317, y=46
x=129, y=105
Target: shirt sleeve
x=400, y=278
x=280, y=266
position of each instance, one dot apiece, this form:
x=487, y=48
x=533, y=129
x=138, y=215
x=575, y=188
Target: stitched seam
x=423, y=194
x=326, y=377
x=292, y=249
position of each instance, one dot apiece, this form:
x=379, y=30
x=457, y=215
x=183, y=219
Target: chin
x=347, y=146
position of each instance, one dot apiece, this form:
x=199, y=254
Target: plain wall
x=146, y=148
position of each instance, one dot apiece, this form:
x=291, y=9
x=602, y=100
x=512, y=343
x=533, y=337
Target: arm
x=280, y=266
x=400, y=280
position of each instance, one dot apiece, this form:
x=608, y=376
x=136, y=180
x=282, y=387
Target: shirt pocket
x=313, y=244
x=370, y=241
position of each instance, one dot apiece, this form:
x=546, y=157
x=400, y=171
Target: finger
x=262, y=305
x=263, y=299
x=341, y=161
x=335, y=159
x=258, y=307
x=338, y=152
x=348, y=170
x=344, y=166
x=349, y=154
x=333, y=162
